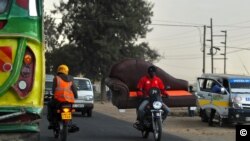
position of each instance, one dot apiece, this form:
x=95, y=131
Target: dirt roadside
x=190, y=128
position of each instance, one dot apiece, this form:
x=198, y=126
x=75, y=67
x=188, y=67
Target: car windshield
x=82, y=84
x=240, y=85
x=3, y=5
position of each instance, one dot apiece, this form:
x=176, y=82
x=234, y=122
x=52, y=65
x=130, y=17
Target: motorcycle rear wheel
x=63, y=131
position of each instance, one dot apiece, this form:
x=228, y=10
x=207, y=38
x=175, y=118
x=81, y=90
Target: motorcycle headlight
x=157, y=105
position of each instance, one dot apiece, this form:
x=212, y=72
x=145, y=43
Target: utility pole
x=204, y=50
x=225, y=50
x=211, y=48
x=212, y=53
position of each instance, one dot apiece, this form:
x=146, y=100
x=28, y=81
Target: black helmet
x=151, y=69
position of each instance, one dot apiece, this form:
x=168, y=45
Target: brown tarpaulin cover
x=123, y=79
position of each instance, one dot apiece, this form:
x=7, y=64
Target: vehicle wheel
x=63, y=131
x=157, y=129
x=89, y=113
x=145, y=134
x=204, y=117
x=221, y=121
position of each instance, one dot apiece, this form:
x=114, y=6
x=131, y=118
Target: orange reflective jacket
x=63, y=92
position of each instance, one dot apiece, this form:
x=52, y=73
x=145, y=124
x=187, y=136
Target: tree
x=105, y=31
x=51, y=41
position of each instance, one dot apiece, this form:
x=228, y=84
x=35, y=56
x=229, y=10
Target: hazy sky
x=178, y=35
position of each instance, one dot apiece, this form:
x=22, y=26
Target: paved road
x=101, y=127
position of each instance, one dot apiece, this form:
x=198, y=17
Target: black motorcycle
x=152, y=121
x=62, y=122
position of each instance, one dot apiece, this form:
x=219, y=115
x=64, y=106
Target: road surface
x=107, y=124
x=101, y=127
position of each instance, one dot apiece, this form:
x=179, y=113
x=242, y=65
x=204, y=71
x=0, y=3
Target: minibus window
x=3, y=5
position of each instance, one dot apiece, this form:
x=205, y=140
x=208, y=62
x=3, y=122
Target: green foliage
x=51, y=41
x=102, y=32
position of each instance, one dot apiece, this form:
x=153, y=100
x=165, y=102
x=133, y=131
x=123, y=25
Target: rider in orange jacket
x=64, y=90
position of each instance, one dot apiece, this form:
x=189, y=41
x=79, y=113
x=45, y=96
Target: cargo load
x=124, y=77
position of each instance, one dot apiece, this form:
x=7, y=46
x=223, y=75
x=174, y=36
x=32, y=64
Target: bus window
x=3, y=5
x=32, y=8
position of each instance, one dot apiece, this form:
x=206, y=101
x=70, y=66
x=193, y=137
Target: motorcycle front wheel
x=63, y=131
x=157, y=129
x=145, y=134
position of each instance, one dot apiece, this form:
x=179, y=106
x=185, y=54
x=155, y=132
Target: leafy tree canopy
x=102, y=32
x=51, y=41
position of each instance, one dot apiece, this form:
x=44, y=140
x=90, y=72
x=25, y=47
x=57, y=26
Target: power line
x=239, y=49
x=175, y=36
x=177, y=25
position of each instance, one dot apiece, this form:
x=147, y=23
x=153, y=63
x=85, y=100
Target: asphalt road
x=101, y=127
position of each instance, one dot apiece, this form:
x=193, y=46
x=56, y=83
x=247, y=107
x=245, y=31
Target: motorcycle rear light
x=23, y=3
x=58, y=111
x=2, y=23
x=66, y=110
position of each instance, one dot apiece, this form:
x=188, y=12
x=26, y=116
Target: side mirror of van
x=223, y=90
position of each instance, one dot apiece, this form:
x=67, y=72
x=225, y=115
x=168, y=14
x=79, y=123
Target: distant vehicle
x=48, y=88
x=232, y=103
x=85, y=101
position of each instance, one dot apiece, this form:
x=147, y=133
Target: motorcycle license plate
x=66, y=115
x=157, y=114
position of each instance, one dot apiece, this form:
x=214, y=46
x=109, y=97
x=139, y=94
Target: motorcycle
x=152, y=121
x=62, y=124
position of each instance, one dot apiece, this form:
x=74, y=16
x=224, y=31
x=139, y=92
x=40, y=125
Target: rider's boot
x=51, y=126
x=138, y=125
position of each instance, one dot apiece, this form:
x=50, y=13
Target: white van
x=48, y=88
x=232, y=103
x=85, y=101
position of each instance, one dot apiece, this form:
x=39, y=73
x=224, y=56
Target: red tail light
x=25, y=81
x=23, y=3
x=2, y=23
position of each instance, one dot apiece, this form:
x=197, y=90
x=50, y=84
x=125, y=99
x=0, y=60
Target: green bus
x=22, y=65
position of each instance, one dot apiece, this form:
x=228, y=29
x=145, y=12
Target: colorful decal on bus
x=6, y=59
